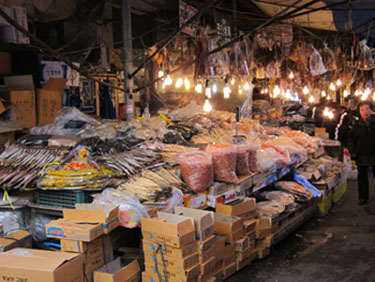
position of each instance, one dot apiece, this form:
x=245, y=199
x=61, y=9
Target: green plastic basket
x=62, y=198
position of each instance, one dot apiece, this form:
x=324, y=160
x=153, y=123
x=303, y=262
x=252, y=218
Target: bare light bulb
x=332, y=87
x=329, y=97
x=208, y=92
x=207, y=106
x=276, y=91
x=288, y=95
x=305, y=90
x=330, y=115
x=311, y=99
x=187, y=84
x=160, y=74
x=323, y=93
x=246, y=86
x=179, y=82
x=291, y=75
x=168, y=80
x=232, y=81
x=226, y=91
x=338, y=82
x=346, y=93
x=240, y=91
x=198, y=88
x=214, y=88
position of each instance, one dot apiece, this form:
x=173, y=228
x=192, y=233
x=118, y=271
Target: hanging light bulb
x=338, y=82
x=329, y=97
x=346, y=93
x=207, y=106
x=240, y=91
x=266, y=90
x=332, y=87
x=305, y=90
x=276, y=91
x=232, y=81
x=330, y=115
x=160, y=74
x=187, y=84
x=323, y=93
x=246, y=86
x=288, y=95
x=168, y=80
x=179, y=82
x=208, y=90
x=358, y=92
x=326, y=111
x=311, y=99
x=227, y=92
x=198, y=88
x=214, y=88
x=367, y=91
x=291, y=75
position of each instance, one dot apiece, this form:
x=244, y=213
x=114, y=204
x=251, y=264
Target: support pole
x=128, y=58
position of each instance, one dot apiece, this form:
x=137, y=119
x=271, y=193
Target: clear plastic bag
x=316, y=64
x=197, y=170
x=224, y=158
x=38, y=226
x=131, y=210
x=366, y=61
x=278, y=196
x=239, y=64
x=243, y=166
x=284, y=156
x=300, y=192
x=14, y=220
x=177, y=199
x=328, y=58
x=267, y=158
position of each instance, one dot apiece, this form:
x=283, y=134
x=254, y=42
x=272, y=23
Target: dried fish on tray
x=279, y=196
x=20, y=165
x=77, y=171
x=153, y=186
x=130, y=162
x=269, y=208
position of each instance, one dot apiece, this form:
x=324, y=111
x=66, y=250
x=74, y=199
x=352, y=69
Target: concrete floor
x=337, y=247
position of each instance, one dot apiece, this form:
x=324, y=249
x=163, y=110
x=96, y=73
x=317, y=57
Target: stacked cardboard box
x=219, y=247
x=86, y=230
x=170, y=248
x=231, y=227
x=249, y=229
x=204, y=231
x=115, y=272
x=229, y=261
x=263, y=236
x=15, y=239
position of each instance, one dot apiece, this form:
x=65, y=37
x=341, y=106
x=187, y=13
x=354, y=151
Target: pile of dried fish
x=153, y=186
x=20, y=165
x=128, y=163
x=171, y=153
x=269, y=208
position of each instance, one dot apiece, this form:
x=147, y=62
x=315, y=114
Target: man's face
x=365, y=111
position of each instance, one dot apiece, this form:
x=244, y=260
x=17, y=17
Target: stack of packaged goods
x=86, y=230
x=230, y=265
x=219, y=247
x=263, y=236
x=244, y=244
x=170, y=248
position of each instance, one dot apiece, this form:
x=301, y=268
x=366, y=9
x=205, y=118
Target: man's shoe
x=362, y=202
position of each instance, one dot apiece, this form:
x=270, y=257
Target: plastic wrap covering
x=267, y=158
x=243, y=166
x=300, y=193
x=287, y=144
x=252, y=159
x=366, y=61
x=197, y=170
x=224, y=158
x=38, y=226
x=68, y=121
x=103, y=131
x=149, y=128
x=316, y=64
x=177, y=199
x=269, y=208
x=131, y=210
x=328, y=58
x=239, y=60
x=186, y=112
x=284, y=156
x=48, y=140
x=14, y=219
x=278, y=196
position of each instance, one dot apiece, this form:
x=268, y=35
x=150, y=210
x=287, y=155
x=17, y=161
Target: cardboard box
x=252, y=236
x=203, y=246
x=5, y=63
x=249, y=226
x=262, y=253
x=173, y=273
x=229, y=270
x=263, y=227
x=196, y=201
x=20, y=94
x=233, y=237
x=172, y=262
x=184, y=251
x=203, y=221
x=93, y=259
x=115, y=272
x=226, y=224
x=107, y=214
x=320, y=130
x=16, y=239
x=253, y=255
x=169, y=229
x=63, y=228
x=207, y=278
x=219, y=274
x=219, y=247
x=265, y=242
x=242, y=208
x=152, y=277
x=108, y=249
x=39, y=265
x=242, y=244
x=49, y=100
x=252, y=244
x=205, y=256
x=229, y=250
x=229, y=259
x=240, y=256
x=219, y=265
x=217, y=188
x=208, y=266
x=241, y=264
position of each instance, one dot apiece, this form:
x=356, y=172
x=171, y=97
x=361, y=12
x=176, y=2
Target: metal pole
x=234, y=14
x=128, y=58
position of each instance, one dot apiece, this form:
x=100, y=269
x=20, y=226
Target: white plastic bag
x=266, y=158
x=316, y=64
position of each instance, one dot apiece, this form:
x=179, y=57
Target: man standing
x=362, y=147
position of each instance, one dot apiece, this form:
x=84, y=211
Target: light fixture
x=207, y=106
x=187, y=84
x=226, y=90
x=346, y=93
x=305, y=90
x=246, y=86
x=232, y=81
x=179, y=82
x=332, y=87
x=266, y=90
x=330, y=115
x=160, y=74
x=323, y=93
x=311, y=99
x=288, y=95
x=338, y=82
x=329, y=97
x=198, y=88
x=240, y=90
x=207, y=91
x=326, y=111
x=276, y=91
x=291, y=75
x=168, y=80
x=358, y=92
x=214, y=88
